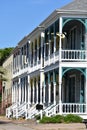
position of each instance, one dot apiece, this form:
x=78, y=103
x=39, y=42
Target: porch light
x=52, y=33
x=47, y=43
x=60, y=35
x=29, y=41
x=42, y=34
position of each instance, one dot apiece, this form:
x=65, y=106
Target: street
x=4, y=125
x=9, y=124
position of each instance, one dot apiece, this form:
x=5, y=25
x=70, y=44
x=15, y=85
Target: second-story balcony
x=35, y=67
x=74, y=55
x=66, y=55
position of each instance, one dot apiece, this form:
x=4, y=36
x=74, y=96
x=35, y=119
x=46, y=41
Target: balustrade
x=74, y=55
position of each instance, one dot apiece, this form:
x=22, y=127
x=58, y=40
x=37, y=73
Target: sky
x=19, y=17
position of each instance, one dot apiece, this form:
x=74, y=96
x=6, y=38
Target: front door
x=72, y=89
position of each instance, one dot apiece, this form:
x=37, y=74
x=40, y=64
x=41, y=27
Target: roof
x=76, y=5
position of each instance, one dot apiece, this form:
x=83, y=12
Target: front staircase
x=29, y=112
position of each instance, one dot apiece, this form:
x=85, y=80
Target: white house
x=50, y=65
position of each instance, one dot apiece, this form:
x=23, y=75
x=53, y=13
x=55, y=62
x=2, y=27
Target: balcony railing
x=74, y=55
x=51, y=59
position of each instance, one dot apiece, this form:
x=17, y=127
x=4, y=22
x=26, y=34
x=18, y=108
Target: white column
x=41, y=84
x=54, y=93
x=22, y=90
x=25, y=88
x=60, y=68
x=29, y=90
x=37, y=90
x=44, y=91
x=12, y=93
x=49, y=90
x=49, y=93
x=33, y=91
x=42, y=43
x=19, y=91
x=37, y=51
x=49, y=50
x=86, y=44
x=86, y=90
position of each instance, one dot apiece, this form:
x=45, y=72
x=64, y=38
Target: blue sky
x=19, y=17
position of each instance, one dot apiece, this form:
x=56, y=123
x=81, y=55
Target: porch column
x=49, y=100
x=33, y=53
x=37, y=90
x=42, y=43
x=49, y=50
x=54, y=86
x=29, y=90
x=86, y=90
x=37, y=50
x=44, y=52
x=54, y=38
x=41, y=84
x=25, y=88
x=29, y=53
x=60, y=68
x=86, y=36
x=44, y=90
x=33, y=91
x=19, y=91
x=16, y=91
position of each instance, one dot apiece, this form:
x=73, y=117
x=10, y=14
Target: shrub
x=54, y=119
x=58, y=119
x=70, y=118
x=62, y=119
x=45, y=120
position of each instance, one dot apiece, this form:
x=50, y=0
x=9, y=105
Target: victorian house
x=50, y=66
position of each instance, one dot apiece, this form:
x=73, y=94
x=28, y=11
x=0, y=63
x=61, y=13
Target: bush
x=72, y=119
x=45, y=120
x=62, y=119
x=55, y=119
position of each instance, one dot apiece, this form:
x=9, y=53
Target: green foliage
x=62, y=119
x=72, y=118
x=4, y=53
x=3, y=72
x=45, y=120
x=54, y=119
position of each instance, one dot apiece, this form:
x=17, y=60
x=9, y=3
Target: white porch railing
x=77, y=108
x=51, y=59
x=74, y=55
x=30, y=112
x=21, y=110
x=48, y=111
x=67, y=108
x=9, y=110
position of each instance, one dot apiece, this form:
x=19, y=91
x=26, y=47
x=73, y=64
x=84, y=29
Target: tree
x=4, y=53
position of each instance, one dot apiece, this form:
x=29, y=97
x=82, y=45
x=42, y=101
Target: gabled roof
x=76, y=5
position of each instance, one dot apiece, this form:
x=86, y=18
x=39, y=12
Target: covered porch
x=72, y=99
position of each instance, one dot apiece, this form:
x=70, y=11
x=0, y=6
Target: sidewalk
x=36, y=126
